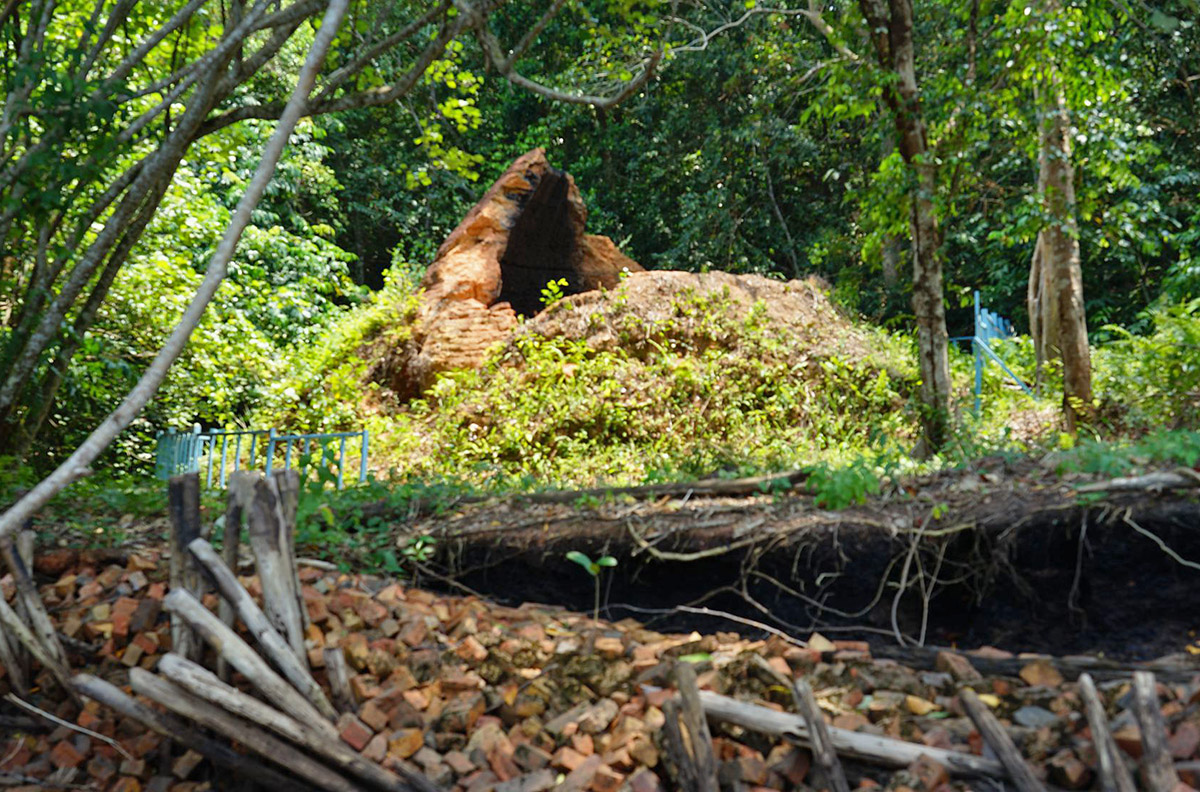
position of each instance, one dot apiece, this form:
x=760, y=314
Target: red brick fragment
x=354, y=732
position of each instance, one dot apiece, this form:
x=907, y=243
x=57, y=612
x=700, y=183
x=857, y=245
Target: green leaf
x=583, y=561
x=698, y=657
x=606, y=561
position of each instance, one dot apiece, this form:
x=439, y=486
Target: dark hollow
x=541, y=247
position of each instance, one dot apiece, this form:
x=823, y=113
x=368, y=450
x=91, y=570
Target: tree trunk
x=890, y=245
x=1057, y=321
x=891, y=24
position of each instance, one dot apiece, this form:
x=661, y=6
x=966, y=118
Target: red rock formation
x=526, y=231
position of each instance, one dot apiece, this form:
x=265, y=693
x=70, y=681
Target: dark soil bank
x=1114, y=580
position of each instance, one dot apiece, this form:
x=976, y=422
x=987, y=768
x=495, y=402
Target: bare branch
x=493, y=52
x=343, y=73
x=812, y=14
x=77, y=464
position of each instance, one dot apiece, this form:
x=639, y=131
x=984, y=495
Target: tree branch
x=77, y=464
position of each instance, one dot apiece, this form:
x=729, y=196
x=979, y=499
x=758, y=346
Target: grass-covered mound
x=670, y=374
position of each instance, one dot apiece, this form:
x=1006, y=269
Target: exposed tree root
x=951, y=557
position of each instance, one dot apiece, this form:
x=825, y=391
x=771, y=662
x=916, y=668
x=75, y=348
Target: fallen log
x=1180, y=478
x=871, y=748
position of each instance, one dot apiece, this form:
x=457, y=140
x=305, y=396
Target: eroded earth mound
x=526, y=231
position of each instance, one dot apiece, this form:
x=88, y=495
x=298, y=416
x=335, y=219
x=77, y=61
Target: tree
x=890, y=24
x=1057, y=322
x=103, y=102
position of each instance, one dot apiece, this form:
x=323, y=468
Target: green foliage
x=842, y=486
x=1153, y=380
x=593, y=568
x=707, y=391
x=553, y=292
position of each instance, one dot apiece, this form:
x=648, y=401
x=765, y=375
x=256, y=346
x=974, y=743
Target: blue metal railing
x=989, y=326
x=219, y=452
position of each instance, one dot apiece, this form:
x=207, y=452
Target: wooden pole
x=270, y=538
x=240, y=493
x=1114, y=775
x=229, y=645
x=253, y=737
x=183, y=733
x=822, y=743
x=1158, y=772
x=871, y=748
x=183, y=508
x=995, y=736
x=41, y=628
x=205, y=685
x=268, y=639
x=689, y=743
x=339, y=679
x=17, y=629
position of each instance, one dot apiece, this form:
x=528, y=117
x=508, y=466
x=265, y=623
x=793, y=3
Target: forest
x=597, y=383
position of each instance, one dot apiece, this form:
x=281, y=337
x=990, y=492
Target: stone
x=1066, y=770
x=929, y=773
x=1041, y=672
x=1184, y=741
x=526, y=231
x=406, y=742
x=1034, y=717
x=957, y=666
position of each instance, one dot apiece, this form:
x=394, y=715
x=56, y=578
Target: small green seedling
x=593, y=568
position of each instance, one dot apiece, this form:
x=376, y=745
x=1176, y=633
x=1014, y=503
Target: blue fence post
x=212, y=445
x=362, y=464
x=270, y=451
x=197, y=448
x=341, y=462
x=253, y=446
x=224, y=446
x=975, y=342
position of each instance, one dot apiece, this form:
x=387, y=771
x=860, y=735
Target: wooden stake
x=229, y=645
x=1114, y=775
x=995, y=736
x=822, y=743
x=240, y=494
x=871, y=748
x=183, y=507
x=268, y=639
x=9, y=660
x=689, y=742
x=339, y=679
x=253, y=737
x=24, y=636
x=1158, y=771
x=169, y=726
x=40, y=625
x=205, y=685
x=270, y=538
